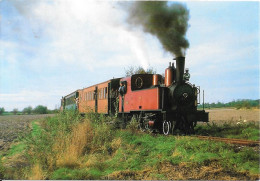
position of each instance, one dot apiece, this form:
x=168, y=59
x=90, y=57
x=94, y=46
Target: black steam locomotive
x=166, y=104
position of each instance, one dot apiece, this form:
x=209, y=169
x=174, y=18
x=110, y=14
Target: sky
x=49, y=49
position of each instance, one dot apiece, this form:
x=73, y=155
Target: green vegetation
x=68, y=146
x=2, y=110
x=249, y=131
x=16, y=149
x=138, y=70
x=239, y=104
x=29, y=110
x=15, y=111
x=40, y=109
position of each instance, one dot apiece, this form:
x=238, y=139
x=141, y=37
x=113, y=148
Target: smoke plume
x=168, y=23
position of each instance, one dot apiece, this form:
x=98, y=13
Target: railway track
x=230, y=140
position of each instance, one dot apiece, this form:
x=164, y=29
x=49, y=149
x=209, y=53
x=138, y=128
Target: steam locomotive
x=165, y=104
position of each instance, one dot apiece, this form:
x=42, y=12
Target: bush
x=15, y=111
x=2, y=110
x=133, y=125
x=40, y=110
x=138, y=70
x=27, y=110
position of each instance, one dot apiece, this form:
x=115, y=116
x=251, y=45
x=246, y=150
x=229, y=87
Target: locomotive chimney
x=180, y=64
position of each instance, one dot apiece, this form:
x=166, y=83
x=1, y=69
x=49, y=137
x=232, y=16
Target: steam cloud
x=168, y=23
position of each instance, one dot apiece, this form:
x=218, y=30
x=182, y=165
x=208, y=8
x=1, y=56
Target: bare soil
x=13, y=126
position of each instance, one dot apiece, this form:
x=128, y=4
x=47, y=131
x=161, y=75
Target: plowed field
x=13, y=126
x=233, y=115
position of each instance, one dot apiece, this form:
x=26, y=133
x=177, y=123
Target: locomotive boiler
x=167, y=104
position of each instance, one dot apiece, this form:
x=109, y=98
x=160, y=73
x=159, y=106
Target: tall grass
x=65, y=141
x=74, y=145
x=58, y=142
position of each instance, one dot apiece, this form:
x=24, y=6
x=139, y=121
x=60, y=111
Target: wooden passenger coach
x=97, y=98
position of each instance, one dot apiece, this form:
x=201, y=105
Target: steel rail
x=230, y=140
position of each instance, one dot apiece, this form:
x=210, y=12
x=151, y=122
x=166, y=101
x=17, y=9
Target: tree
x=138, y=70
x=15, y=111
x=27, y=110
x=2, y=110
x=40, y=110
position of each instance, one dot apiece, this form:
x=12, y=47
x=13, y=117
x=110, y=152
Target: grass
x=249, y=131
x=69, y=174
x=68, y=146
x=16, y=149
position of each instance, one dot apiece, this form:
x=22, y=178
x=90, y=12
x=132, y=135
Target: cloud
x=80, y=32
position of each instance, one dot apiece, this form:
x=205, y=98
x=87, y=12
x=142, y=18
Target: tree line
x=40, y=109
x=238, y=104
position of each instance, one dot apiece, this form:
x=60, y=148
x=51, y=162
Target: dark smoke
x=168, y=23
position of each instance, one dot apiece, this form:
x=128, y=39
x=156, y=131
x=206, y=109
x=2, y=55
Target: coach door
x=96, y=99
x=113, y=96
